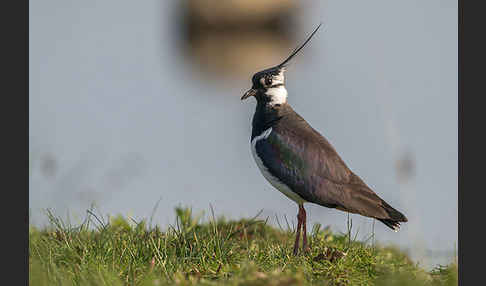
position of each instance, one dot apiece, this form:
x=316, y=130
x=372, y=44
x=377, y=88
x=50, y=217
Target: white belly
x=274, y=181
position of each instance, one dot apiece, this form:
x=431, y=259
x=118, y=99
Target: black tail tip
x=395, y=217
x=393, y=214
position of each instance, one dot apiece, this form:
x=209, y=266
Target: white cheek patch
x=278, y=95
x=278, y=79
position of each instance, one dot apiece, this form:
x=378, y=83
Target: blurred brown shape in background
x=48, y=165
x=405, y=166
x=239, y=37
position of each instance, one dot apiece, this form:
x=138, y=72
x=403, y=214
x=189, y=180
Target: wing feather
x=309, y=165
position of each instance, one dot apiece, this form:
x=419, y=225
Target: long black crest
x=299, y=48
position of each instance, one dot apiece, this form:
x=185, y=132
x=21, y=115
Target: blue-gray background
x=124, y=119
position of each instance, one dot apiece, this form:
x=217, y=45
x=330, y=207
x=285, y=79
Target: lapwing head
x=268, y=86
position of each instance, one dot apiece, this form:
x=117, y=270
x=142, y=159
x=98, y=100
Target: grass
x=218, y=251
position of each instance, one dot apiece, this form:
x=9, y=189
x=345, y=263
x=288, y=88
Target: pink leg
x=299, y=225
x=304, y=229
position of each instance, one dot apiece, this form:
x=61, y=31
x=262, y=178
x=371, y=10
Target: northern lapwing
x=300, y=162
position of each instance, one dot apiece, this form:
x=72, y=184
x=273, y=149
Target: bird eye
x=268, y=81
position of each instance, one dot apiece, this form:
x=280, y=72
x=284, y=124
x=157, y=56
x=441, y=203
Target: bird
x=301, y=163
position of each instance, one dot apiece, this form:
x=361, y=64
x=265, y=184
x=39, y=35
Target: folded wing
x=309, y=165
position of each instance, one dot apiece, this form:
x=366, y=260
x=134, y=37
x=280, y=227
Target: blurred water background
x=132, y=102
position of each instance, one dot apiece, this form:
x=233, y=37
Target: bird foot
x=296, y=251
x=305, y=250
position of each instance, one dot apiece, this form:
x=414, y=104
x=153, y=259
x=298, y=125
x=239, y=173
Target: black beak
x=250, y=92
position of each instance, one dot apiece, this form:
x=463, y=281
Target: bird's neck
x=277, y=95
x=266, y=116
